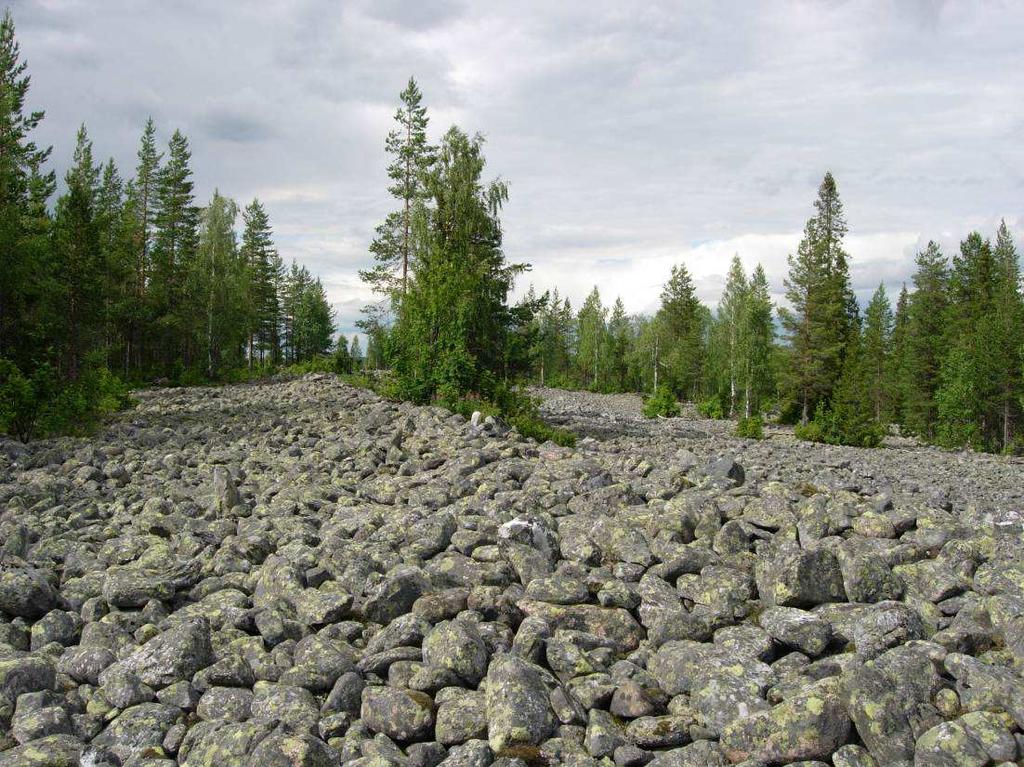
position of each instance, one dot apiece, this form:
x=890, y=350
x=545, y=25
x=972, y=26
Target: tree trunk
x=1006, y=423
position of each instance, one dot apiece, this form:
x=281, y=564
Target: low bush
x=711, y=408
x=811, y=431
x=535, y=428
x=829, y=428
x=750, y=428
x=43, y=405
x=662, y=403
x=17, y=402
x=518, y=410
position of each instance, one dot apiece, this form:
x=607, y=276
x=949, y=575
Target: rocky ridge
x=300, y=573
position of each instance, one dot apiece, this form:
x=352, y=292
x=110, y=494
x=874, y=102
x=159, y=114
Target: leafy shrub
x=711, y=408
x=809, y=432
x=17, y=402
x=44, y=405
x=518, y=410
x=661, y=403
x=841, y=428
x=750, y=428
x=318, y=364
x=535, y=428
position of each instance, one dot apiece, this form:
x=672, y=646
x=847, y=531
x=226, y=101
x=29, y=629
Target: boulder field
x=301, y=574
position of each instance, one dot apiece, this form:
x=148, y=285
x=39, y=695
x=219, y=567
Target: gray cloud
x=634, y=136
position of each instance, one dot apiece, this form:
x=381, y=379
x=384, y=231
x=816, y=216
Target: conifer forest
x=123, y=277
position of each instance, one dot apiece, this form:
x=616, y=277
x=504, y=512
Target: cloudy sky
x=633, y=135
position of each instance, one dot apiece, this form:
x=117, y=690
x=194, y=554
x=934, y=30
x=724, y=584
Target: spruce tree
x=591, y=340
x=1007, y=332
x=969, y=398
x=176, y=237
x=680, y=333
x=731, y=316
x=926, y=341
x=758, y=333
x=142, y=203
x=851, y=418
x=454, y=320
x=356, y=353
x=822, y=320
x=265, y=275
x=620, y=339
x=219, y=279
x=24, y=190
x=342, y=356
x=896, y=384
x=876, y=351
x=314, y=322
x=77, y=266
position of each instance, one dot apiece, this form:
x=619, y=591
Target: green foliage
x=661, y=404
x=824, y=317
x=43, y=405
x=839, y=428
x=750, y=428
x=853, y=419
x=711, y=407
x=681, y=322
x=518, y=410
x=395, y=245
x=17, y=402
x=817, y=428
x=454, y=324
x=535, y=428
x=321, y=363
x=924, y=345
x=343, y=362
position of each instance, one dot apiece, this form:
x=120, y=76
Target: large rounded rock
x=810, y=725
x=796, y=577
x=402, y=715
x=458, y=647
x=174, y=654
x=25, y=592
x=519, y=715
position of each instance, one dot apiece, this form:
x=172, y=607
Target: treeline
x=128, y=279
x=944, y=363
x=722, y=359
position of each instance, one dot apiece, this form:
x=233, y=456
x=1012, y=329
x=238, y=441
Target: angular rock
x=519, y=716
x=810, y=725
x=402, y=715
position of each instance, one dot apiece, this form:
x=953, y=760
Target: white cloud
x=633, y=136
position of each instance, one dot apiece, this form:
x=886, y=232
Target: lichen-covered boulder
x=519, y=715
x=795, y=577
x=458, y=647
x=25, y=592
x=174, y=654
x=810, y=725
x=402, y=715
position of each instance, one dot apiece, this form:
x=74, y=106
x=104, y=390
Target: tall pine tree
x=265, y=274
x=394, y=247
x=176, y=237
x=925, y=342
